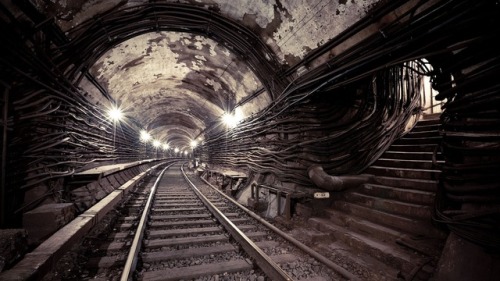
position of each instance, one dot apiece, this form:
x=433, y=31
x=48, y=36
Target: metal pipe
x=335, y=183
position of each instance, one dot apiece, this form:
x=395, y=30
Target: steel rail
x=135, y=248
x=292, y=240
x=264, y=262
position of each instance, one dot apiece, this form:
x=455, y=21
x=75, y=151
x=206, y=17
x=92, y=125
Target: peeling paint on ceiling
x=166, y=78
x=313, y=23
x=162, y=76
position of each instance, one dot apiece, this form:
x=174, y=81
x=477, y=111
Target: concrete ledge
x=96, y=173
x=31, y=267
x=109, y=169
x=43, y=221
x=103, y=207
x=38, y=263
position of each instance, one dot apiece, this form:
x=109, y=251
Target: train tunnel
x=369, y=130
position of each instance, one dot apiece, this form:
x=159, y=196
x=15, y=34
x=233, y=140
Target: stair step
x=407, y=163
x=422, y=134
x=417, y=184
x=404, y=172
x=390, y=206
x=430, y=247
x=413, y=147
x=366, y=266
x=427, y=116
x=390, y=254
x=400, y=194
x=363, y=226
x=413, y=226
x=426, y=127
x=425, y=245
x=423, y=140
x=411, y=155
x=430, y=121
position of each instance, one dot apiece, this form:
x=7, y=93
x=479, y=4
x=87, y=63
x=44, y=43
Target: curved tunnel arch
x=238, y=50
x=189, y=125
x=178, y=138
x=103, y=33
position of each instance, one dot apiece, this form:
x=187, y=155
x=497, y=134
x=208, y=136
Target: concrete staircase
x=384, y=229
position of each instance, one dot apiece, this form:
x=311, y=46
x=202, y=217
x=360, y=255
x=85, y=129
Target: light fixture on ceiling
x=156, y=144
x=231, y=120
x=115, y=114
x=194, y=143
x=145, y=136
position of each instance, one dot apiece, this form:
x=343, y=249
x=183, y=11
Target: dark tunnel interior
x=334, y=97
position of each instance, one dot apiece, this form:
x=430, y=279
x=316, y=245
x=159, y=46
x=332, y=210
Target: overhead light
x=156, y=143
x=115, y=114
x=231, y=120
x=165, y=146
x=194, y=143
x=185, y=153
x=176, y=150
x=145, y=136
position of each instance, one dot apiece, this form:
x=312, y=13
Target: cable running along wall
x=378, y=80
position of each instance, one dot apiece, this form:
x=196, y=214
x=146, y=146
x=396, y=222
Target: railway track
x=175, y=226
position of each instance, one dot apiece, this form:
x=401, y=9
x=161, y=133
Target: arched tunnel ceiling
x=168, y=78
x=176, y=84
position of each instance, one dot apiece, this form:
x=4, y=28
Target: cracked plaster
x=168, y=76
x=187, y=73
